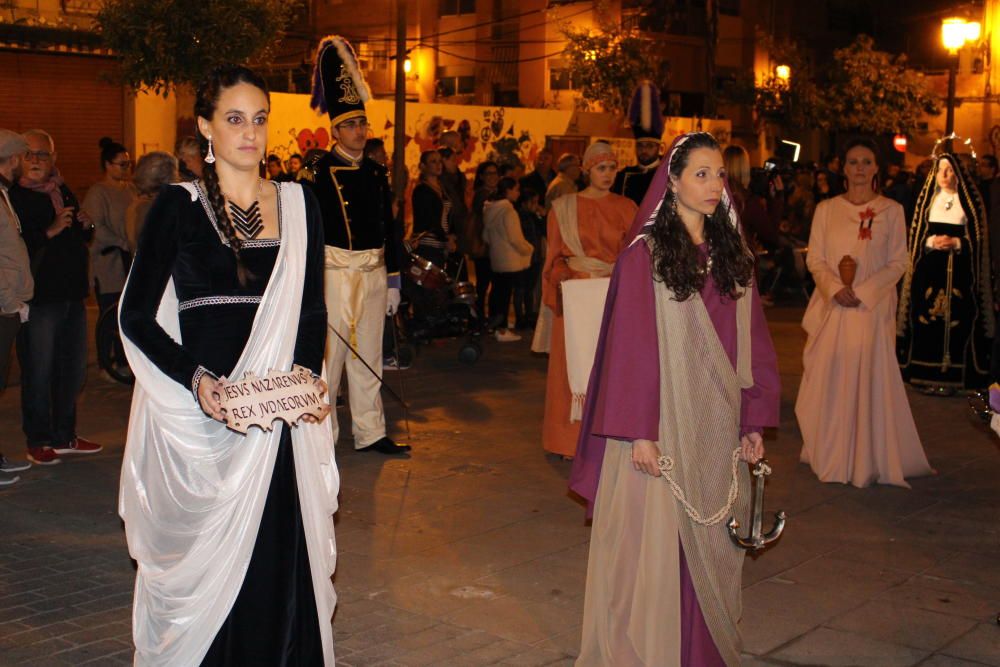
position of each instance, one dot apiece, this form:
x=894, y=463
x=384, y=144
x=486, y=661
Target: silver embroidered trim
x=196, y=380
x=217, y=301
x=263, y=243
x=210, y=213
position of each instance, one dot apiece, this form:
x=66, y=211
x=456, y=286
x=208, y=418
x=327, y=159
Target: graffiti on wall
x=505, y=135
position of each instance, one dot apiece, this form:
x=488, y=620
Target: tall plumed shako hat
x=644, y=113
x=338, y=89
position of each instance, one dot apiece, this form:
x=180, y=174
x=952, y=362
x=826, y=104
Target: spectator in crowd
x=832, y=167
x=512, y=169
x=431, y=212
x=52, y=345
x=821, y=190
x=760, y=216
x=294, y=166
x=800, y=205
x=455, y=184
x=986, y=169
x=154, y=172
x=484, y=185
x=510, y=256
x=105, y=204
x=532, y=214
x=189, y=158
x=453, y=140
x=375, y=150
x=565, y=182
x=276, y=170
x=896, y=183
x=540, y=177
x=16, y=283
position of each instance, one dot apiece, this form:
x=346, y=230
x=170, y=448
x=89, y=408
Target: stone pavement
x=471, y=553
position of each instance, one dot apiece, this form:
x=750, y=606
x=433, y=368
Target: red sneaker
x=78, y=446
x=43, y=456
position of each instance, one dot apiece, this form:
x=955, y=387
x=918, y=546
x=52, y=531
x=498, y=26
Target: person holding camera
x=52, y=345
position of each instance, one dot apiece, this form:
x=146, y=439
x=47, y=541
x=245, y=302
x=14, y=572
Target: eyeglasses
x=40, y=156
x=361, y=124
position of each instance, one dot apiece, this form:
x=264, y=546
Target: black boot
x=386, y=446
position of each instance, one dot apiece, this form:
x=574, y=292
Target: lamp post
x=955, y=33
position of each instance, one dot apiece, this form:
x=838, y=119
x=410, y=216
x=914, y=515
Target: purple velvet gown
x=623, y=397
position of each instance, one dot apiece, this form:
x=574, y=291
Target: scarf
x=51, y=187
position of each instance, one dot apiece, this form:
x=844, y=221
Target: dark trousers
x=484, y=276
x=525, y=308
x=106, y=300
x=505, y=285
x=52, y=351
x=9, y=324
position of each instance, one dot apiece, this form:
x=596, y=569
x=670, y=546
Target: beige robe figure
x=852, y=408
x=600, y=227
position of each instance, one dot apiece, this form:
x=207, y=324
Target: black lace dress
x=274, y=620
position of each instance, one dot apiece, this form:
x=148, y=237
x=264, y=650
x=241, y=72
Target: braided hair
x=219, y=79
x=675, y=256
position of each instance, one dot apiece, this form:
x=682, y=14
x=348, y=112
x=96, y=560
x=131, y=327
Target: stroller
x=435, y=305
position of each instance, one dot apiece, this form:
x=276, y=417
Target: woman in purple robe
x=684, y=380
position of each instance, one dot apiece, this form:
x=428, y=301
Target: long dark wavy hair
x=676, y=261
x=207, y=96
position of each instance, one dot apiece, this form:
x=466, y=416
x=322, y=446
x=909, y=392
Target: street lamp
x=784, y=73
x=955, y=33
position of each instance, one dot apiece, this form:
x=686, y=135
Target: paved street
x=471, y=553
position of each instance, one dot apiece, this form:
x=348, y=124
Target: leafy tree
x=874, y=91
x=863, y=90
x=606, y=64
x=165, y=43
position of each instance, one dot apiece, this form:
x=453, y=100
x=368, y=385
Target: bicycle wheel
x=110, y=352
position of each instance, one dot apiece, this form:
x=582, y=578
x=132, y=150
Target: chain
x=666, y=464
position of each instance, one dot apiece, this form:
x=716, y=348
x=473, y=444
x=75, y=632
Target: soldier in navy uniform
x=362, y=248
x=646, y=119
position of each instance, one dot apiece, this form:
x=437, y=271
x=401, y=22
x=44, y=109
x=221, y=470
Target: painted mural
x=505, y=135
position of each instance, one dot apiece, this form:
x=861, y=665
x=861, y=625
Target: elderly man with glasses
x=52, y=345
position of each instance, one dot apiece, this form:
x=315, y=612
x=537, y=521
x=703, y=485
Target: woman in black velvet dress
x=234, y=551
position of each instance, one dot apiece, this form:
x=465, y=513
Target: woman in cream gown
x=852, y=408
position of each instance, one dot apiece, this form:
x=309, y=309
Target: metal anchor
x=756, y=541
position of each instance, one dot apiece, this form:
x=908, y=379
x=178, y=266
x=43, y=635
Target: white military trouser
x=356, y=293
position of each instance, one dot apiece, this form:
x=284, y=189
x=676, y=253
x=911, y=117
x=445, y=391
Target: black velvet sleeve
x=151, y=269
x=310, y=343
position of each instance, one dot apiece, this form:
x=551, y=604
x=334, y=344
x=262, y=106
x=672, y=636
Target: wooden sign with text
x=284, y=395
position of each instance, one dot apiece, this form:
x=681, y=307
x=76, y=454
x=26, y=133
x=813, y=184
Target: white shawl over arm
x=192, y=491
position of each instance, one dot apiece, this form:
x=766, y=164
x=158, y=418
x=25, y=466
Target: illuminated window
x=560, y=79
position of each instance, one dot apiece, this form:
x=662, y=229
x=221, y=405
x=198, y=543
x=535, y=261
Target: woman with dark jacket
x=431, y=208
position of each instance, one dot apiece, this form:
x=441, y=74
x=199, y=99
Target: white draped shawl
x=192, y=491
